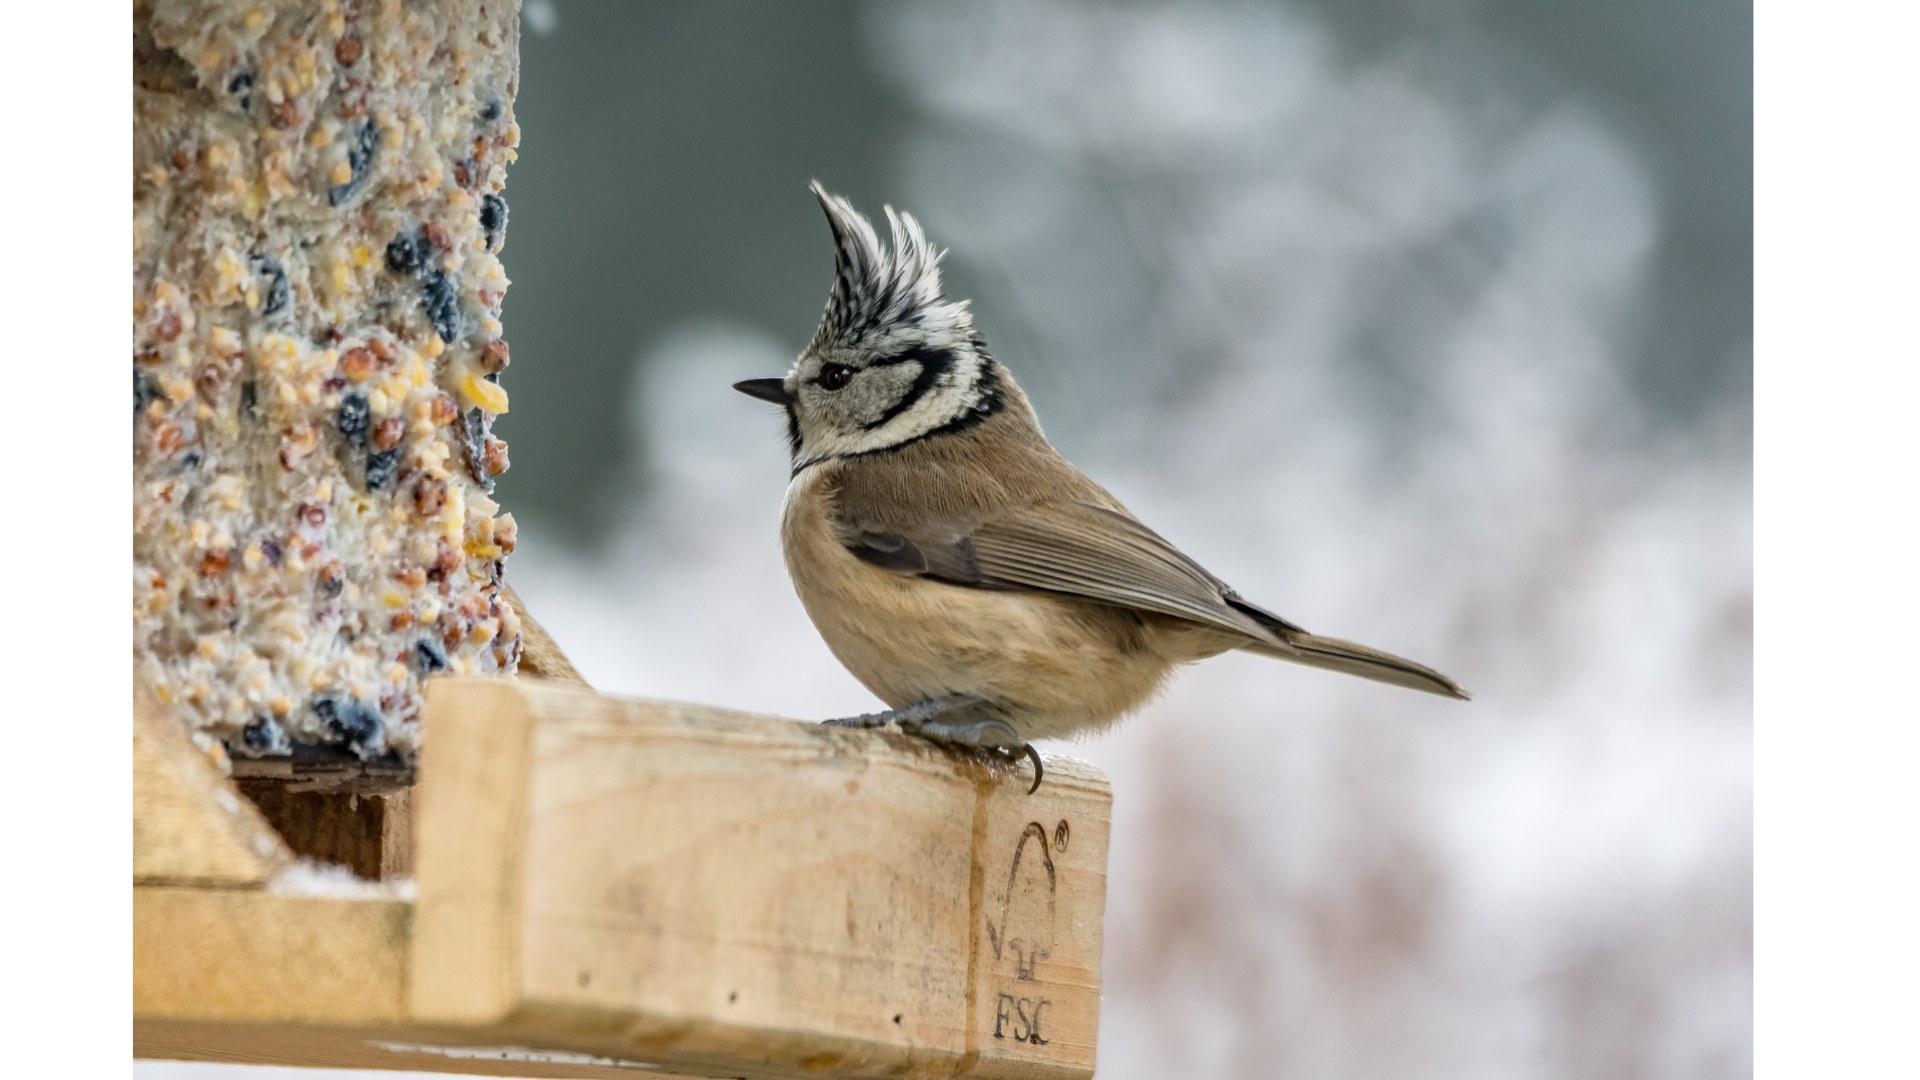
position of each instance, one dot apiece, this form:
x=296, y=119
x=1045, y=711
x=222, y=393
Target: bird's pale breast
x=1060, y=665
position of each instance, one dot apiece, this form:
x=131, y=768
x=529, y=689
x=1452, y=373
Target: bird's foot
x=960, y=723
x=908, y=718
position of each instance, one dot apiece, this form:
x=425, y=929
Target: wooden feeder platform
x=582, y=885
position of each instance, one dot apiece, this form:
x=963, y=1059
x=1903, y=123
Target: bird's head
x=894, y=360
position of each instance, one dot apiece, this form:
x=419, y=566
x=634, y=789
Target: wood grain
x=605, y=886
x=189, y=825
x=260, y=956
x=371, y=835
x=706, y=888
x=259, y=976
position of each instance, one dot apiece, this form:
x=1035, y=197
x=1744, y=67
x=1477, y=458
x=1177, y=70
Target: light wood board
x=605, y=884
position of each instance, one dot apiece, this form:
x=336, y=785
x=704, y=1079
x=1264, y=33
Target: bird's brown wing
x=995, y=508
x=1074, y=548
x=1104, y=555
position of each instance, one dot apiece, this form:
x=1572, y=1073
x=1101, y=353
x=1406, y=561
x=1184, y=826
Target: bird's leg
x=912, y=714
x=957, y=721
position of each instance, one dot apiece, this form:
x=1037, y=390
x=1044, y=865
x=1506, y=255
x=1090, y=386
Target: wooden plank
x=716, y=891
x=607, y=886
x=276, y=977
x=468, y=938
x=262, y=956
x=371, y=835
x=189, y=824
x=349, y=1047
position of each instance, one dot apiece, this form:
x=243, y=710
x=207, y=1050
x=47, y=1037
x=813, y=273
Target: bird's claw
x=957, y=724
x=1026, y=750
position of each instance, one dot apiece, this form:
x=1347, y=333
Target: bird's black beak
x=774, y=390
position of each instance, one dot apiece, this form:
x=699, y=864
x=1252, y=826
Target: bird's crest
x=884, y=289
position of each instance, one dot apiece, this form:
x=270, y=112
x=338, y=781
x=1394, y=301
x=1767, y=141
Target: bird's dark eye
x=835, y=376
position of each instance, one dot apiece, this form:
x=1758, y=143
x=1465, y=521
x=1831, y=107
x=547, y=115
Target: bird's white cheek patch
x=949, y=400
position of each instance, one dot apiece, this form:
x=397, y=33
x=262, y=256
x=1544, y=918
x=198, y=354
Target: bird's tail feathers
x=1353, y=659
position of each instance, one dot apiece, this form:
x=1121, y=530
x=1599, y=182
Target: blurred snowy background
x=1423, y=322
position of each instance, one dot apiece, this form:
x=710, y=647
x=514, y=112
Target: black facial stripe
x=933, y=364
x=917, y=353
x=991, y=402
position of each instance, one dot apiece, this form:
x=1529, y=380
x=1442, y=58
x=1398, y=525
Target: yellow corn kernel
x=481, y=550
x=362, y=255
x=340, y=173
x=433, y=348
x=482, y=394
x=393, y=600
x=453, y=518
